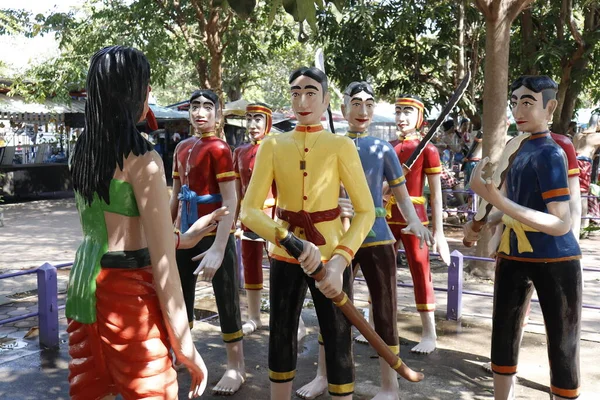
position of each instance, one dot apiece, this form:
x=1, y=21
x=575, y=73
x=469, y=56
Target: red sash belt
x=307, y=221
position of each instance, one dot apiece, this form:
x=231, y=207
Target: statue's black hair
x=313, y=73
x=117, y=86
x=537, y=84
x=207, y=93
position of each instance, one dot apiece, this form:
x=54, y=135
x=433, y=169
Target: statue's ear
x=344, y=109
x=327, y=98
x=551, y=106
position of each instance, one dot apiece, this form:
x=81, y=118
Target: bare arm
x=575, y=206
x=407, y=209
x=147, y=177
x=173, y=202
x=238, y=191
x=435, y=188
x=213, y=258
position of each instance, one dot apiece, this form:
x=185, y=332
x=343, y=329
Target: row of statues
x=347, y=201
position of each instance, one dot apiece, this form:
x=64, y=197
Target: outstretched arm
x=213, y=258
x=441, y=245
x=147, y=177
x=415, y=226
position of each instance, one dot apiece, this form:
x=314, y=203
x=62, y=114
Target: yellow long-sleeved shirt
x=330, y=160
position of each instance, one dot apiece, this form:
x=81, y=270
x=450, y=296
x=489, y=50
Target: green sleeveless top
x=81, y=295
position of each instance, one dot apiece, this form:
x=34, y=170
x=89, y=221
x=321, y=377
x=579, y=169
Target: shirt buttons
x=306, y=174
x=305, y=197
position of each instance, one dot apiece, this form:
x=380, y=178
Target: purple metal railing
x=48, y=308
x=455, y=282
x=47, y=286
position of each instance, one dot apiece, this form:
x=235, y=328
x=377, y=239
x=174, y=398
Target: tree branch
x=199, y=12
x=515, y=7
x=225, y=24
x=484, y=7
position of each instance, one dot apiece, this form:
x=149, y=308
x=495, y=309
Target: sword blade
x=458, y=93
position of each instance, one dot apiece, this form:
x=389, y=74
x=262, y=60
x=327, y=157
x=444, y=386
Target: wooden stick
x=294, y=246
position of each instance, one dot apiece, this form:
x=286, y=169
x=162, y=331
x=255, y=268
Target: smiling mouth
x=305, y=113
x=201, y=121
x=362, y=119
x=520, y=122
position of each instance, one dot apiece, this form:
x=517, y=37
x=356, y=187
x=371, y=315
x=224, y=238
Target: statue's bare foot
x=315, y=388
x=251, y=325
x=426, y=346
x=387, y=395
x=230, y=383
x=361, y=339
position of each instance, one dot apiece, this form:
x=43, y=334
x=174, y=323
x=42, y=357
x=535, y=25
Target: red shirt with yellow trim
x=244, y=158
x=538, y=176
x=202, y=163
x=567, y=146
x=428, y=163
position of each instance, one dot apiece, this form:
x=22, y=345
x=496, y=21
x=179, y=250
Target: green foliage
x=400, y=46
x=174, y=42
x=272, y=86
x=13, y=22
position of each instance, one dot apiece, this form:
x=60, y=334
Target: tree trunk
x=460, y=62
x=570, y=98
x=213, y=43
x=495, y=95
x=495, y=89
x=528, y=44
x=234, y=91
x=565, y=79
x=202, y=70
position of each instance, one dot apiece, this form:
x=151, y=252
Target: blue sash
x=189, y=208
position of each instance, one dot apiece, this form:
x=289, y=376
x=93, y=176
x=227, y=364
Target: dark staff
x=472, y=149
x=447, y=109
x=294, y=246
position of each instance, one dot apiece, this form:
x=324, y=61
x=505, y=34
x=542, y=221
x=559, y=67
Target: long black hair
x=117, y=86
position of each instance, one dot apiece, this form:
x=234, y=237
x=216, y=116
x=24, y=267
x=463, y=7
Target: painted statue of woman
x=124, y=304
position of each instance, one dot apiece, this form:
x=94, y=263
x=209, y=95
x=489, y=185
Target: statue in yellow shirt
x=308, y=165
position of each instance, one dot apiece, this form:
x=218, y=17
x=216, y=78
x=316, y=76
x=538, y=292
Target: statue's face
x=308, y=101
x=406, y=119
x=359, y=111
x=528, y=110
x=203, y=114
x=256, y=124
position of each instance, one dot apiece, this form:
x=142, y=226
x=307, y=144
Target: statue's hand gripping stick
x=294, y=247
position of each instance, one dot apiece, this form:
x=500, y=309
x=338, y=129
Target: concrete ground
x=49, y=231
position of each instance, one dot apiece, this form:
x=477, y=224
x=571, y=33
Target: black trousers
x=287, y=289
x=378, y=265
x=558, y=285
x=225, y=286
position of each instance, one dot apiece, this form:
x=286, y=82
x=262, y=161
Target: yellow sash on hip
x=392, y=202
x=523, y=244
